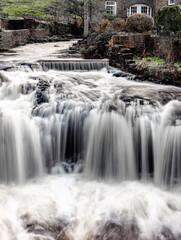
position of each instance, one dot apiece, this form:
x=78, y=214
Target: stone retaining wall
x=12, y=38
x=9, y=24
x=167, y=47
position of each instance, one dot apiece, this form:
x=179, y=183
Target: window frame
x=139, y=9
x=170, y=3
x=114, y=5
x=134, y=9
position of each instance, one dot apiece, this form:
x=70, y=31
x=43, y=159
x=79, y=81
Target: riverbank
x=148, y=68
x=151, y=57
x=156, y=70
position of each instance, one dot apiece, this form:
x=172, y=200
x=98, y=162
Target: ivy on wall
x=168, y=19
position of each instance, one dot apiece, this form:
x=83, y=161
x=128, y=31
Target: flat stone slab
x=6, y=65
x=75, y=60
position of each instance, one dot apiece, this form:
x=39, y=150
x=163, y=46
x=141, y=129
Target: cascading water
x=119, y=141
x=73, y=65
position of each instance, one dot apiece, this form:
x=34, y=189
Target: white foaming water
x=88, y=210
x=110, y=129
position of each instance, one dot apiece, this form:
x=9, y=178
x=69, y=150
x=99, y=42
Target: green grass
x=149, y=62
x=153, y=63
x=135, y=57
x=153, y=60
x=177, y=64
x=156, y=60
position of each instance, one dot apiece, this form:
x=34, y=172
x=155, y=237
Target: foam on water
x=88, y=210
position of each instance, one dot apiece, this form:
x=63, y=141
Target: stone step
x=130, y=61
x=125, y=50
x=114, y=49
x=119, y=65
x=113, y=56
x=118, y=46
x=132, y=49
x=132, y=66
x=127, y=55
x=117, y=39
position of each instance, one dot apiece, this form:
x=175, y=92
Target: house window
x=171, y=2
x=133, y=10
x=111, y=7
x=144, y=9
x=139, y=8
x=149, y=11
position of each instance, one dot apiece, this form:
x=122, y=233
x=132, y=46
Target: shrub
x=108, y=16
x=118, y=23
x=168, y=19
x=104, y=25
x=101, y=42
x=139, y=23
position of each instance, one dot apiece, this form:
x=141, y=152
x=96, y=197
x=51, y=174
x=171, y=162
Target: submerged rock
x=52, y=230
x=114, y=231
x=41, y=97
x=43, y=84
x=3, y=78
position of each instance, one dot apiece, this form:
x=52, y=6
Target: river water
x=88, y=156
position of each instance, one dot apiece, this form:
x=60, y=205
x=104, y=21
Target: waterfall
x=112, y=127
x=74, y=65
x=141, y=141
x=86, y=155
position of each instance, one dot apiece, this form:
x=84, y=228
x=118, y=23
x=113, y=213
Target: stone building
x=122, y=8
x=162, y=3
x=125, y=8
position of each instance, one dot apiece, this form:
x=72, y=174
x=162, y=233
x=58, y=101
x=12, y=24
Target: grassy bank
x=157, y=68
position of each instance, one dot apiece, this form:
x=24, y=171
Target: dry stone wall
x=149, y=44
x=12, y=38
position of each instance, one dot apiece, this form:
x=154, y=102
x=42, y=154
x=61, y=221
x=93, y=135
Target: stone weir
x=59, y=65
x=73, y=65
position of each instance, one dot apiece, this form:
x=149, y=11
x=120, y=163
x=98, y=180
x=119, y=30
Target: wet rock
x=43, y=84
x=62, y=236
x=3, y=78
x=149, y=95
x=137, y=99
x=6, y=65
x=25, y=64
x=167, y=235
x=41, y=97
x=166, y=97
x=58, y=87
x=114, y=231
x=112, y=107
x=120, y=74
x=27, y=88
x=52, y=230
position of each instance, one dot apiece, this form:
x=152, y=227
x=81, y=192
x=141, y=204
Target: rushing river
x=88, y=156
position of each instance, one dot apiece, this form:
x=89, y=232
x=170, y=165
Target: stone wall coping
x=22, y=30
x=74, y=60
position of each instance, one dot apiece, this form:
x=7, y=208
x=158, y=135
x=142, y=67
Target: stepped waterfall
x=86, y=155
